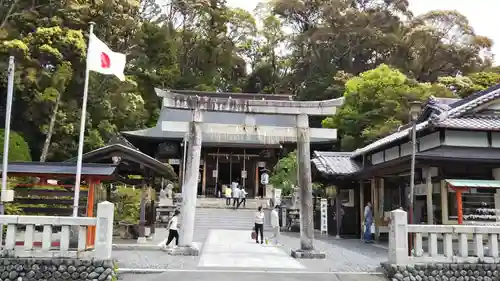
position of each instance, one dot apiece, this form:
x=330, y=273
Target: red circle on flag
x=105, y=61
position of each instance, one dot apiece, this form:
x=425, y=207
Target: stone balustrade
x=17, y=244
x=445, y=243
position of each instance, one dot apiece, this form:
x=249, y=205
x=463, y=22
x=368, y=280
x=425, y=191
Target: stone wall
x=443, y=272
x=26, y=269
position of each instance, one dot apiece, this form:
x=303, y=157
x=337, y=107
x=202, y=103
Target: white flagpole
x=78, y=179
x=8, y=112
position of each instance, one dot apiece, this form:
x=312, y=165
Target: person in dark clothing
x=259, y=225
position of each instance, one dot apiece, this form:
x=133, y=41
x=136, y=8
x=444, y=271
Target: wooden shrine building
x=457, y=175
x=237, y=145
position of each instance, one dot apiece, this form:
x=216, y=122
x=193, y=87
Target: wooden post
x=90, y=211
x=444, y=202
x=460, y=212
x=256, y=189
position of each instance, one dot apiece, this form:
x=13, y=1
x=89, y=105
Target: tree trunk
x=48, y=137
x=9, y=13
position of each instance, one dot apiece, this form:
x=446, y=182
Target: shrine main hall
x=238, y=144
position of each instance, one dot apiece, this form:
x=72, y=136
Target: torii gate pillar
x=305, y=189
x=189, y=191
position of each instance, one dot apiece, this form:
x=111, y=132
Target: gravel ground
x=344, y=255
x=153, y=259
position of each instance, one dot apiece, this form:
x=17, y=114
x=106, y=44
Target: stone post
x=398, y=237
x=305, y=192
x=142, y=216
x=190, y=190
x=104, y=230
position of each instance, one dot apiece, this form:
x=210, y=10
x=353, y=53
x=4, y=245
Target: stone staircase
x=212, y=218
x=221, y=203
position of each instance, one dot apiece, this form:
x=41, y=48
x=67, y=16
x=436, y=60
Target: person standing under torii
x=235, y=192
x=264, y=181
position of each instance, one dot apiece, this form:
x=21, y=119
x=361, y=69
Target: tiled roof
x=471, y=123
x=335, y=163
x=451, y=118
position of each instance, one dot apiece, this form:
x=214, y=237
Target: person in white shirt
x=259, y=225
x=243, y=197
x=236, y=202
x=173, y=230
x=264, y=181
x=235, y=195
x=275, y=224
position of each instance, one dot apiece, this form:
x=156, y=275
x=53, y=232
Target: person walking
x=275, y=224
x=368, y=222
x=243, y=197
x=173, y=230
x=235, y=193
x=259, y=225
x=227, y=194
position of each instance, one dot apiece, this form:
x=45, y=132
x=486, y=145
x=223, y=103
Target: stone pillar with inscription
x=104, y=230
x=306, y=250
x=190, y=188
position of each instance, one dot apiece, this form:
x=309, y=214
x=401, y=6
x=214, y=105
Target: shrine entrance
x=241, y=165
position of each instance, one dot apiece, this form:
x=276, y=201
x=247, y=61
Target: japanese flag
x=101, y=59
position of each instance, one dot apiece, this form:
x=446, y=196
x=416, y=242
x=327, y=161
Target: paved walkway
x=235, y=249
x=232, y=249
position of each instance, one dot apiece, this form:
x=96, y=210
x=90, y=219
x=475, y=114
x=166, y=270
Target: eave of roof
x=156, y=133
x=132, y=155
x=59, y=168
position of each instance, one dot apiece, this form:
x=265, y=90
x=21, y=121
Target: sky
x=482, y=14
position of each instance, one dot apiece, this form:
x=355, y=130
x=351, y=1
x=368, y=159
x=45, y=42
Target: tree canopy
x=375, y=53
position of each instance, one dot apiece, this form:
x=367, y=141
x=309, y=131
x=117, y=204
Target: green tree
x=464, y=86
x=18, y=147
x=284, y=174
x=376, y=103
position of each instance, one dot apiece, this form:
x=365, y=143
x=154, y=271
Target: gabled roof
x=128, y=153
x=450, y=116
x=335, y=163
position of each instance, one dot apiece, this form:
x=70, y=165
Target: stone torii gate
x=300, y=134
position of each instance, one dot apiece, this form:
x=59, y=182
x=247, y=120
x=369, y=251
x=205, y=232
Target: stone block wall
x=443, y=272
x=27, y=269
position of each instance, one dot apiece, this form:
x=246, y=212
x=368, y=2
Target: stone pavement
x=235, y=249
